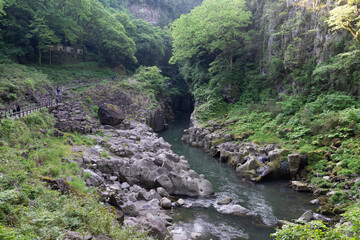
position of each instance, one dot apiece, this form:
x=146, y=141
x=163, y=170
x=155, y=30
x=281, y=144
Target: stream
x=270, y=201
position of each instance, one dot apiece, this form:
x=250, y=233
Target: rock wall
x=74, y=117
x=149, y=13
x=294, y=37
x=251, y=160
x=129, y=103
x=160, y=13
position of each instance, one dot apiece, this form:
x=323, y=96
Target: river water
x=270, y=201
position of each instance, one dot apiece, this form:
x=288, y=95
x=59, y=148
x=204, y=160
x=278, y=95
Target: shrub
x=319, y=230
x=331, y=102
x=150, y=78
x=291, y=104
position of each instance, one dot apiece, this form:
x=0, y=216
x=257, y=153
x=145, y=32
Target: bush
x=291, y=104
x=150, y=78
x=331, y=102
x=319, y=230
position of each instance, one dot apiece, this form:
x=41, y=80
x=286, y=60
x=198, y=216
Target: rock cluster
x=135, y=172
x=72, y=117
x=127, y=104
x=250, y=160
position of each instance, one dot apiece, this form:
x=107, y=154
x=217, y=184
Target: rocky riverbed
x=251, y=160
x=138, y=174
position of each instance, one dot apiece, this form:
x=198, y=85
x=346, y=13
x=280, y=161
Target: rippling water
x=270, y=201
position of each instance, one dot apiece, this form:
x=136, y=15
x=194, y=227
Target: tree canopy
x=103, y=29
x=346, y=16
x=215, y=27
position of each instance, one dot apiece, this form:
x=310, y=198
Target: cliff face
x=160, y=13
x=293, y=38
x=149, y=13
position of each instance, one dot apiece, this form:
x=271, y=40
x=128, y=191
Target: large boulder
x=110, y=114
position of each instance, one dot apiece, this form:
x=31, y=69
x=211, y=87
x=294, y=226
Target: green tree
x=215, y=28
x=150, y=44
x=346, y=16
x=150, y=78
x=44, y=36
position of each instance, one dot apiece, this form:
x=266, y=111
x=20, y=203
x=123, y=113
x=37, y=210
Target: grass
x=29, y=209
x=16, y=80
x=65, y=74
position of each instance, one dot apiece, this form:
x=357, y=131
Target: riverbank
x=317, y=145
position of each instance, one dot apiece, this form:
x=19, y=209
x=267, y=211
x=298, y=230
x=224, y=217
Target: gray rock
x=294, y=164
x=162, y=192
x=94, y=179
x=180, y=202
x=129, y=223
x=234, y=210
x=317, y=216
x=300, y=186
x=315, y=201
x=154, y=195
x=165, y=182
x=284, y=222
x=125, y=185
x=248, y=169
x=165, y=203
x=158, y=229
x=70, y=235
x=143, y=195
x=225, y=201
x=157, y=120
x=130, y=209
x=275, y=154
x=306, y=217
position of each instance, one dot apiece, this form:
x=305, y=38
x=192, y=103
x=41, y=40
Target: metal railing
x=26, y=109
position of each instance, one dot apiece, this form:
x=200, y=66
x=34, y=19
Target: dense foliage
x=346, y=15
x=105, y=31
x=39, y=25
x=212, y=36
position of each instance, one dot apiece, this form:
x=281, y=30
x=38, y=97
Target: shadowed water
x=270, y=201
